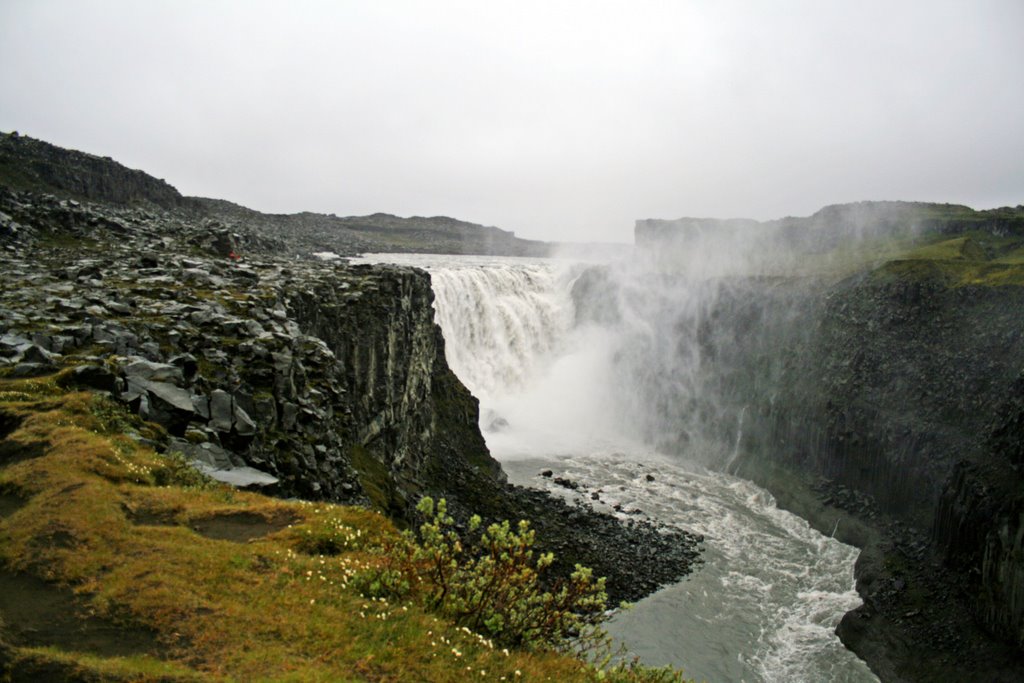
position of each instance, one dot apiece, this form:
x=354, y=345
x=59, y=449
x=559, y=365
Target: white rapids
x=764, y=603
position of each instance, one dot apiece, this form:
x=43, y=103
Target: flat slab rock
x=240, y=477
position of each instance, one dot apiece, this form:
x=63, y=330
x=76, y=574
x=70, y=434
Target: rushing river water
x=764, y=603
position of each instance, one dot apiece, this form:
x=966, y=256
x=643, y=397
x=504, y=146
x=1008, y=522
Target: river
x=567, y=395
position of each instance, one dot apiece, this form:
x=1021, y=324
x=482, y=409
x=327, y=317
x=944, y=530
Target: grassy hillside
x=117, y=563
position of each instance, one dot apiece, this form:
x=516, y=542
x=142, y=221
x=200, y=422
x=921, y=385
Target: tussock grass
x=283, y=606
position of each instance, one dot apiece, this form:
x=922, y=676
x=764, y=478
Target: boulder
x=228, y=417
x=243, y=425
x=289, y=415
x=221, y=410
x=188, y=365
x=240, y=477
x=22, y=370
x=284, y=379
x=38, y=355
x=154, y=372
x=92, y=376
x=201, y=404
x=12, y=345
x=167, y=405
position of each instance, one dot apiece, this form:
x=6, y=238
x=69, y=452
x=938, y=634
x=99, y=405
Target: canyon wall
x=329, y=378
x=883, y=402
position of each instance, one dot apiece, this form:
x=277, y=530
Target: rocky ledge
x=302, y=378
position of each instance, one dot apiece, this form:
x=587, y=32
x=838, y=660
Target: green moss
x=1014, y=256
x=947, y=249
x=206, y=368
x=176, y=470
x=954, y=273
x=376, y=480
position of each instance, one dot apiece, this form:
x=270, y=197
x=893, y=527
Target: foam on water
x=764, y=604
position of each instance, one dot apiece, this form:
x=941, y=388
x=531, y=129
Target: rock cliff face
x=410, y=411
x=901, y=376
x=906, y=381
x=319, y=380
x=329, y=378
x=884, y=405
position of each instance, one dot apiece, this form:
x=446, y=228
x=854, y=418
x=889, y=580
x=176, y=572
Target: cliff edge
x=290, y=375
x=874, y=352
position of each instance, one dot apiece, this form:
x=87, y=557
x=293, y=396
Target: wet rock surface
x=582, y=536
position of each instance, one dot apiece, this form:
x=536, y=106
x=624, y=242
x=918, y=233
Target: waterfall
x=574, y=357
x=545, y=384
x=502, y=323
x=629, y=379
x=571, y=357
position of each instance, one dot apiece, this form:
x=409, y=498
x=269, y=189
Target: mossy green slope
x=219, y=584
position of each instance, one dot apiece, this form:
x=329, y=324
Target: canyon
x=862, y=364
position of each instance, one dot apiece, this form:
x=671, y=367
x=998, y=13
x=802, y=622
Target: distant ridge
x=829, y=225
x=37, y=166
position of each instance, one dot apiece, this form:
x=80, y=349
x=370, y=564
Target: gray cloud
x=559, y=120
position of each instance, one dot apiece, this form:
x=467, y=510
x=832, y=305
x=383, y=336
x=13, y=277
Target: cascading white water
x=510, y=336
x=587, y=398
x=501, y=322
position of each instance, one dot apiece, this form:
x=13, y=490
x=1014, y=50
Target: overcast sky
x=559, y=120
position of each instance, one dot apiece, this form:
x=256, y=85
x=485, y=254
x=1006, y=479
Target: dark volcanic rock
x=310, y=379
x=578, y=535
x=32, y=164
x=93, y=377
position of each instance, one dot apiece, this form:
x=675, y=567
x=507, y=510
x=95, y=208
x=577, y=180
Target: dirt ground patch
x=8, y=423
x=36, y=613
x=10, y=503
x=12, y=451
x=151, y=517
x=241, y=527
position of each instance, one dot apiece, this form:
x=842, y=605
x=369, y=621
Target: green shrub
x=634, y=672
x=491, y=582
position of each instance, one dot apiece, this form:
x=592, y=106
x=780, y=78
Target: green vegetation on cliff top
x=974, y=258
x=957, y=244
x=136, y=569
